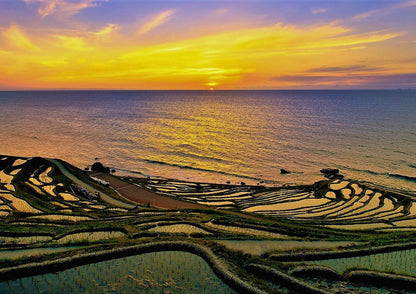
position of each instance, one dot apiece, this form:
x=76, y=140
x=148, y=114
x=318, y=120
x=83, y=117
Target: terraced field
x=63, y=212
x=339, y=204
x=48, y=204
x=158, y=272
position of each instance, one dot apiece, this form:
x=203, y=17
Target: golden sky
x=86, y=44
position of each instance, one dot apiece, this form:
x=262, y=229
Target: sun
x=211, y=85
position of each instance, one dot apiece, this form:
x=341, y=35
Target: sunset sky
x=131, y=44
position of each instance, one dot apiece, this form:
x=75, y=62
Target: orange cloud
x=240, y=58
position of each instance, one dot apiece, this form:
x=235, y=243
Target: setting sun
x=74, y=45
x=207, y=146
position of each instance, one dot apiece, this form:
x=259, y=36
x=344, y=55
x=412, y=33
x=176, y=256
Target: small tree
x=99, y=167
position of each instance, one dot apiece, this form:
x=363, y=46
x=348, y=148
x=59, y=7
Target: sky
x=246, y=44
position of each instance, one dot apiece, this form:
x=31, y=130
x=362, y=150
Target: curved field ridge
x=217, y=266
x=371, y=278
x=246, y=231
x=399, y=262
x=337, y=204
x=38, y=188
x=276, y=276
x=153, y=273
x=315, y=272
x=341, y=254
x=361, y=277
x=223, y=196
x=260, y=247
x=347, y=205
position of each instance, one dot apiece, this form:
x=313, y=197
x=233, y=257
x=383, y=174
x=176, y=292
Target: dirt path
x=142, y=196
x=90, y=189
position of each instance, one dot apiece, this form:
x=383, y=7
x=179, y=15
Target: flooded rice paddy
x=156, y=272
x=399, y=262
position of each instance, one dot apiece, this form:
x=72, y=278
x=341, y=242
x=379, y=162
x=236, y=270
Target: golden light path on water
x=220, y=135
x=206, y=134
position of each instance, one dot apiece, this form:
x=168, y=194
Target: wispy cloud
x=221, y=11
x=407, y=4
x=4, y=52
x=71, y=43
x=351, y=80
x=366, y=14
x=105, y=31
x=62, y=7
x=296, y=55
x=319, y=10
x=17, y=39
x=156, y=21
x=237, y=54
x=344, y=69
x=388, y=9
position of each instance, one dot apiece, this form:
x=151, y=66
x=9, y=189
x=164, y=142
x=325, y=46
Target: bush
x=99, y=167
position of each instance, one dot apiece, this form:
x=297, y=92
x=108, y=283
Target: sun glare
x=238, y=54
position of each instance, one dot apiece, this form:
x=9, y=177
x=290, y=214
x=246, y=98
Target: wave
x=403, y=177
x=373, y=172
x=391, y=175
x=129, y=171
x=412, y=165
x=198, y=157
x=201, y=169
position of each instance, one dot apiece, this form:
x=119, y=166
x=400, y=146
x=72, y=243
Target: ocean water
x=221, y=136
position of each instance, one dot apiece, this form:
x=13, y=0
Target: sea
x=221, y=136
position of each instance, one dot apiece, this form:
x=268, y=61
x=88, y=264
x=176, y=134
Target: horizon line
x=206, y=90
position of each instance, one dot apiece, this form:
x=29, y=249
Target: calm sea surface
x=220, y=135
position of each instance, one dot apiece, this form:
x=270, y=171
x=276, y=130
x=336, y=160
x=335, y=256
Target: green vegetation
x=42, y=208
